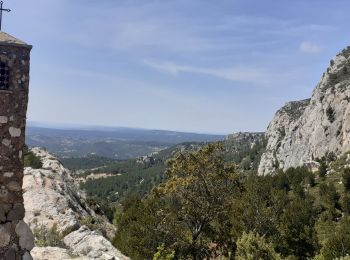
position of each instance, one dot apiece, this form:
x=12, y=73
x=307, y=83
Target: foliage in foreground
x=183, y=212
x=205, y=209
x=252, y=246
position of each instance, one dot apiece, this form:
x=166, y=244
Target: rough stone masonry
x=16, y=239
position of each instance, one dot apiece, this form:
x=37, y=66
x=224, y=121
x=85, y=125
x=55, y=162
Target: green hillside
x=141, y=175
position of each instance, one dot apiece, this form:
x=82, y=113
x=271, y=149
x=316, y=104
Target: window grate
x=4, y=76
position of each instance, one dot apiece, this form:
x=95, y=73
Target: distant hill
x=117, y=143
x=142, y=174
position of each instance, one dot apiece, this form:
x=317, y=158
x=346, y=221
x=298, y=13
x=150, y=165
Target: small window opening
x=4, y=76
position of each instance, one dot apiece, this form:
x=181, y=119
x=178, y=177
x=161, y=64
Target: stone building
x=16, y=239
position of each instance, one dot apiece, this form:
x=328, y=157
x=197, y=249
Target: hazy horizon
x=65, y=126
x=193, y=66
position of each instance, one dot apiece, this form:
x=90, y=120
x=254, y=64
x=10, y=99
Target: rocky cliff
x=302, y=131
x=54, y=208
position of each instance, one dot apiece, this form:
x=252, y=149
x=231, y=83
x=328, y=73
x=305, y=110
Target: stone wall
x=16, y=239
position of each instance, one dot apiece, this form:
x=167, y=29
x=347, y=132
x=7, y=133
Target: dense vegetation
x=133, y=178
x=206, y=208
x=139, y=176
x=245, y=150
x=86, y=162
x=196, y=201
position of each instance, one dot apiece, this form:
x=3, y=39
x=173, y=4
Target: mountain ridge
x=303, y=131
x=123, y=143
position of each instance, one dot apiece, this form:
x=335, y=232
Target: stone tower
x=16, y=239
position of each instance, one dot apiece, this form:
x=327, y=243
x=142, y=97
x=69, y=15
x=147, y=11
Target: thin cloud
x=239, y=74
x=158, y=27
x=309, y=47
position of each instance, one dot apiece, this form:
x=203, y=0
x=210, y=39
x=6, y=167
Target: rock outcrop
x=52, y=200
x=49, y=196
x=50, y=253
x=302, y=131
x=92, y=244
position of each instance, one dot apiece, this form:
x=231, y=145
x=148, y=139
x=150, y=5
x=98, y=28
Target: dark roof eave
x=20, y=45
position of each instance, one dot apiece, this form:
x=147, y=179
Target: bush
x=330, y=114
x=252, y=246
x=346, y=179
x=138, y=236
x=164, y=254
x=296, y=228
x=345, y=204
x=328, y=195
x=31, y=160
x=322, y=172
x=48, y=237
x=338, y=243
x=89, y=222
x=93, y=224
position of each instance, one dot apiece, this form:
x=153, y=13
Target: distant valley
x=114, y=143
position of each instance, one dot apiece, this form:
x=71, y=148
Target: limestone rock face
x=50, y=253
x=305, y=130
x=51, y=198
x=92, y=244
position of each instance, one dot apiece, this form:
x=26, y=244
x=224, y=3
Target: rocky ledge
x=53, y=202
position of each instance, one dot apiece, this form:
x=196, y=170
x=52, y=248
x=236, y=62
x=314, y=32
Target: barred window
x=4, y=76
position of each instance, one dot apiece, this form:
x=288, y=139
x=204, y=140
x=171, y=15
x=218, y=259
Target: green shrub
x=164, y=254
x=252, y=246
x=338, y=243
x=322, y=172
x=48, y=237
x=89, y=222
x=346, y=179
x=330, y=114
x=345, y=204
x=93, y=224
x=31, y=160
